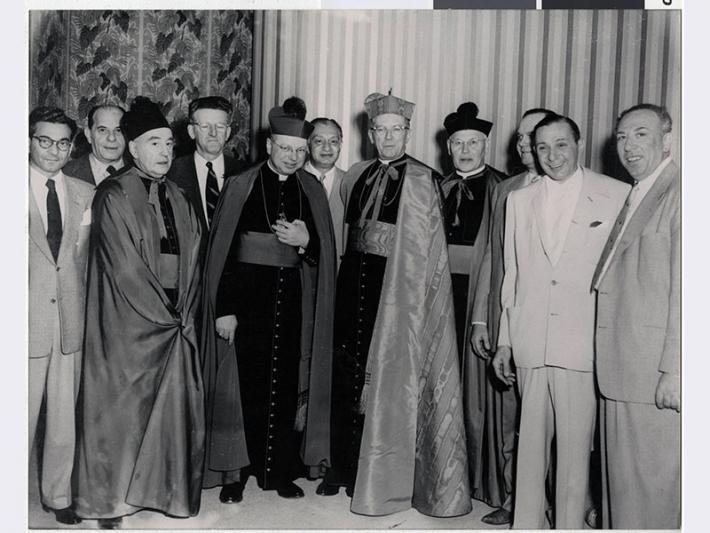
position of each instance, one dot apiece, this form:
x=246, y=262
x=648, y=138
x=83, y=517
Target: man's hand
x=292, y=233
x=668, y=392
x=479, y=341
x=501, y=365
x=226, y=327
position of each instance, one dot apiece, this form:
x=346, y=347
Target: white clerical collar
x=282, y=177
x=465, y=175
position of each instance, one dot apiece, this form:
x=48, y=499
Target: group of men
x=416, y=339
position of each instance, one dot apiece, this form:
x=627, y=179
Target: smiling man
x=397, y=426
x=142, y=415
x=268, y=307
x=104, y=134
x=555, y=231
x=638, y=332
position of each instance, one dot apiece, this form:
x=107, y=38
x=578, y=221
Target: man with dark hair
x=555, y=231
x=324, y=149
x=103, y=132
x=638, y=332
x=59, y=219
x=491, y=410
x=201, y=174
x=268, y=314
x=397, y=425
x=141, y=443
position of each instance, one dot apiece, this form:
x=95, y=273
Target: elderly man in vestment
x=397, y=425
x=142, y=413
x=638, y=332
x=492, y=410
x=555, y=231
x=268, y=307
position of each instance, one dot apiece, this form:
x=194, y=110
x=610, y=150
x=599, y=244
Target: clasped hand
x=292, y=233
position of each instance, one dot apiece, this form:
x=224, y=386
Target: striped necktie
x=211, y=192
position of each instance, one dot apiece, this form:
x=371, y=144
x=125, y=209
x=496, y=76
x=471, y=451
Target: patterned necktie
x=211, y=192
x=614, y=235
x=54, y=219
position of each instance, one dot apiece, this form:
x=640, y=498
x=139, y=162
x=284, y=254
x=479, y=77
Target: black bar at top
x=593, y=4
x=484, y=4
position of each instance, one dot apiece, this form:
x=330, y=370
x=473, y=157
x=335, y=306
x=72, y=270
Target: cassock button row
x=278, y=325
x=271, y=415
x=271, y=436
x=268, y=469
x=270, y=447
x=281, y=279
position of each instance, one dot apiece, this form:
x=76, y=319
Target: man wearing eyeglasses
x=59, y=219
x=268, y=314
x=201, y=174
x=397, y=425
x=103, y=132
x=324, y=150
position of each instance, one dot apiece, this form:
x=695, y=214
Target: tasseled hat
x=144, y=115
x=379, y=104
x=466, y=118
x=290, y=119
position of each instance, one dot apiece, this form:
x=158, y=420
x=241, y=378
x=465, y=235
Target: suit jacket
x=183, y=173
x=638, y=308
x=80, y=168
x=337, y=212
x=61, y=283
x=548, y=310
x=486, y=302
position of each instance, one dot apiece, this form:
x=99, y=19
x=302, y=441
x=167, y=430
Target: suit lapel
x=70, y=231
x=36, y=229
x=584, y=211
x=646, y=208
x=539, y=221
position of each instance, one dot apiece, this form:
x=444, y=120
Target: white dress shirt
x=99, y=169
x=38, y=183
x=326, y=179
x=559, y=200
x=201, y=169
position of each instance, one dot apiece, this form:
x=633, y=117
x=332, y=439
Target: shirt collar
x=465, y=175
x=202, y=162
x=318, y=173
x=645, y=184
x=574, y=180
x=99, y=165
x=39, y=177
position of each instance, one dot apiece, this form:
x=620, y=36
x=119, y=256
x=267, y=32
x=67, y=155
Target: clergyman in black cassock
x=267, y=333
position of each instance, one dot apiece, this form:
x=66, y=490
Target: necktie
x=211, y=192
x=614, y=235
x=110, y=170
x=54, y=219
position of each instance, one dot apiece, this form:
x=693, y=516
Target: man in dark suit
x=638, y=333
x=103, y=132
x=59, y=221
x=201, y=175
x=324, y=145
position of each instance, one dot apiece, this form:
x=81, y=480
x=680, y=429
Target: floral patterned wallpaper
x=82, y=58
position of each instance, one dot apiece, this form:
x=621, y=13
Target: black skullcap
x=466, y=118
x=144, y=115
x=290, y=119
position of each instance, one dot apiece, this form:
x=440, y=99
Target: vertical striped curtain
x=587, y=64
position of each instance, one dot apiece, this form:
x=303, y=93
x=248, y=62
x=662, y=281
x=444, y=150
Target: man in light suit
x=554, y=234
x=638, y=332
x=201, y=175
x=324, y=147
x=103, y=132
x=60, y=215
x=496, y=406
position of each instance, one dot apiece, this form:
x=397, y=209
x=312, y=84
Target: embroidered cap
x=379, y=104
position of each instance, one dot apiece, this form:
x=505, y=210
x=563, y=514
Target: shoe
x=66, y=516
x=349, y=490
x=498, y=517
x=231, y=493
x=290, y=490
x=110, y=523
x=326, y=489
x=591, y=518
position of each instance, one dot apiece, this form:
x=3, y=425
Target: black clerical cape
x=141, y=412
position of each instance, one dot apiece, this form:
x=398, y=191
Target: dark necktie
x=54, y=219
x=111, y=170
x=211, y=192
